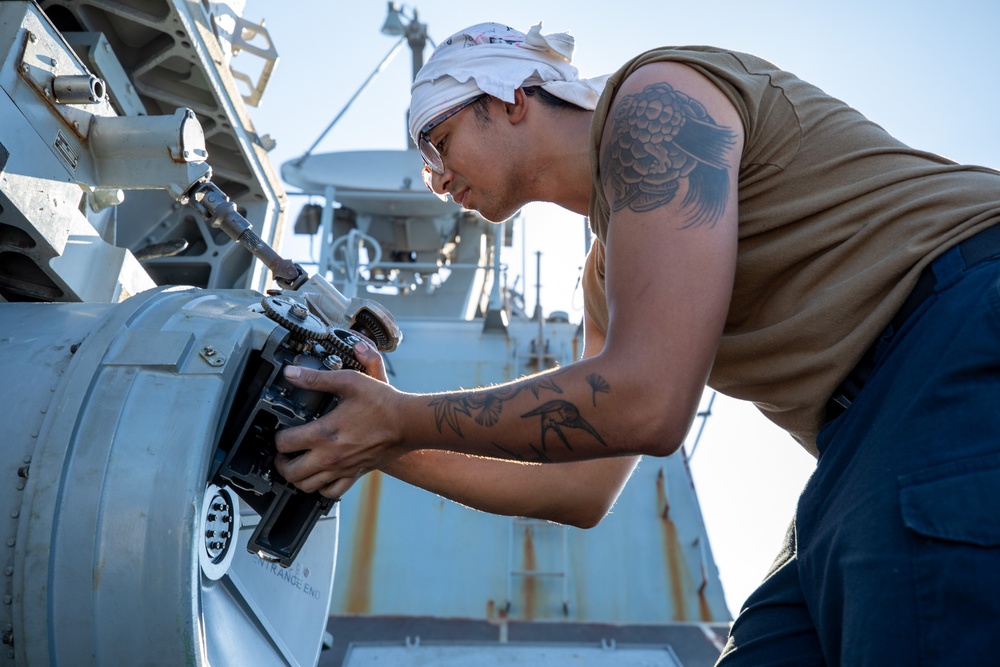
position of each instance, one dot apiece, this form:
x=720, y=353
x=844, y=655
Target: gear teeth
x=303, y=329
x=341, y=343
x=368, y=325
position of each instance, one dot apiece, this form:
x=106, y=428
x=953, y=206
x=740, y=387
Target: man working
x=760, y=236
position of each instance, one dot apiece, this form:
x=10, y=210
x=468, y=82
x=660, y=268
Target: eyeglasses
x=428, y=151
x=433, y=162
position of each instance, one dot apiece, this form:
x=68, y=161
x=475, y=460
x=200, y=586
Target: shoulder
x=681, y=85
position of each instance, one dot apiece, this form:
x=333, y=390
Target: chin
x=497, y=216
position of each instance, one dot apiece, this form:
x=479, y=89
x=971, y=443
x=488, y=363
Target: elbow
x=586, y=514
x=590, y=521
x=660, y=437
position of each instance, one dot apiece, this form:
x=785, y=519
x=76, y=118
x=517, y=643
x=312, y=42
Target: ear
x=517, y=110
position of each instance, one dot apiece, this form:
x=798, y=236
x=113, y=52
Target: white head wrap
x=496, y=59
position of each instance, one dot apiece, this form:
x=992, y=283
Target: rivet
x=9, y=570
x=11, y=542
x=15, y=514
x=32, y=37
x=27, y=459
x=7, y=599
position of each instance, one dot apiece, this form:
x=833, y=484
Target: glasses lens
x=430, y=155
x=428, y=175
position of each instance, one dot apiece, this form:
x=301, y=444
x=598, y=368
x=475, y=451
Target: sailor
x=756, y=234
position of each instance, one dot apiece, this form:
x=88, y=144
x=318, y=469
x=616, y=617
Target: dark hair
x=481, y=106
x=550, y=99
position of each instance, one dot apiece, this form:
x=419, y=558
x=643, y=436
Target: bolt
x=226, y=519
x=25, y=68
x=209, y=533
x=211, y=517
x=208, y=351
x=220, y=507
x=32, y=37
x=225, y=534
x=299, y=311
x=22, y=472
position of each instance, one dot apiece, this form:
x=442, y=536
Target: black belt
x=982, y=246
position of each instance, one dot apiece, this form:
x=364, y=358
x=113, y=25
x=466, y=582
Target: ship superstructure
x=144, y=322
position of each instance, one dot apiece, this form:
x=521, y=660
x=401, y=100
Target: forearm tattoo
x=659, y=139
x=555, y=416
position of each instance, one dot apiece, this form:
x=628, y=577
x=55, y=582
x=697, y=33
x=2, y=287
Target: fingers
x=338, y=488
x=301, y=438
x=307, y=378
x=369, y=357
x=323, y=481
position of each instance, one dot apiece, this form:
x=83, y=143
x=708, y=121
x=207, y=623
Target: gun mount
x=145, y=362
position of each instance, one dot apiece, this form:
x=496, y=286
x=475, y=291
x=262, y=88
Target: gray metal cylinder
x=113, y=413
x=78, y=89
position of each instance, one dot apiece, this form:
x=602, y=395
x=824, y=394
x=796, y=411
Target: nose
x=439, y=184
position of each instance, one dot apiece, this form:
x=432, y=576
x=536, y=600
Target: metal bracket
x=42, y=60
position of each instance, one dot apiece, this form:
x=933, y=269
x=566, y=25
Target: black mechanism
x=264, y=403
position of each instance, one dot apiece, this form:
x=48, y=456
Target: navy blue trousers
x=893, y=557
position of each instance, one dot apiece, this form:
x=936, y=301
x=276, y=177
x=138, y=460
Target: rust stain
x=359, y=582
x=529, y=584
x=672, y=549
x=491, y=610
x=704, y=611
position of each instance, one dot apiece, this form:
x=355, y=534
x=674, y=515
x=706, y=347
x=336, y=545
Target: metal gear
x=367, y=324
x=341, y=343
x=301, y=324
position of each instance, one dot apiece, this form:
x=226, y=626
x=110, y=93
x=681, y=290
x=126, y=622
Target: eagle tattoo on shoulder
x=659, y=138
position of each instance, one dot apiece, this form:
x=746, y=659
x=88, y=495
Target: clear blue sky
x=926, y=71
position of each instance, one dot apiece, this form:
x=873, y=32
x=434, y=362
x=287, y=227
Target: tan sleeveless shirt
x=836, y=221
